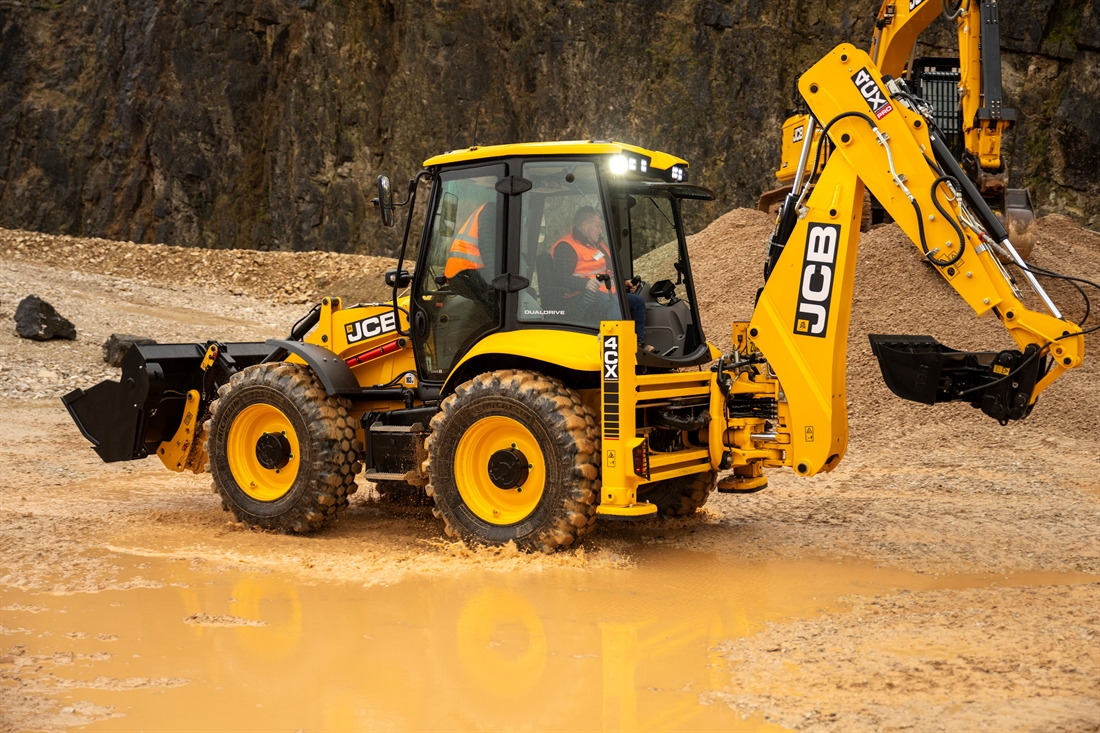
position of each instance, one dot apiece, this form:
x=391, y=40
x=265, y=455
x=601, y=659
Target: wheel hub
x=273, y=451
x=508, y=468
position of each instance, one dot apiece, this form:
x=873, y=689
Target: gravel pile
x=280, y=277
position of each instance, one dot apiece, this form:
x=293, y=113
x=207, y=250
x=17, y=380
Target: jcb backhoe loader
x=507, y=383
x=966, y=96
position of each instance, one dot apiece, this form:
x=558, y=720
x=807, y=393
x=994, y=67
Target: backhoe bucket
x=921, y=369
x=128, y=419
x=913, y=366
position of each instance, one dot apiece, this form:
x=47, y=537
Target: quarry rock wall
x=262, y=123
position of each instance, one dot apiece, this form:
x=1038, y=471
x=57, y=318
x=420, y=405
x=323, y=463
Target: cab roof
x=658, y=160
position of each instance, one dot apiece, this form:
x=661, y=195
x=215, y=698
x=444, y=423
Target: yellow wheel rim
x=253, y=422
x=471, y=469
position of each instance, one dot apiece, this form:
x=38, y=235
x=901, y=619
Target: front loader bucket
x=128, y=419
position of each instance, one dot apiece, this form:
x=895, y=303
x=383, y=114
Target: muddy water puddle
x=231, y=649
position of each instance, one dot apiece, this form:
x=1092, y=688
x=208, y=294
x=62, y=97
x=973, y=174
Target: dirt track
x=945, y=577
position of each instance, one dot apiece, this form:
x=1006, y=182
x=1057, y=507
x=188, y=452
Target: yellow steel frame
x=805, y=367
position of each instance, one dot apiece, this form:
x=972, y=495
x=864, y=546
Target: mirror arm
x=411, y=194
x=411, y=199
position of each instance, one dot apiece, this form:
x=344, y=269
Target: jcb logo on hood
x=370, y=327
x=872, y=93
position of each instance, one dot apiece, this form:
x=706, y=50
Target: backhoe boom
x=885, y=142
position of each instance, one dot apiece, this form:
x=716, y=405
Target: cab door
x=454, y=303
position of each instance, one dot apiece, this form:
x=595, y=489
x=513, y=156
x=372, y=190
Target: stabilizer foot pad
x=626, y=513
x=735, y=485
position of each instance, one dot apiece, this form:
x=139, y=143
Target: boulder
x=117, y=344
x=36, y=319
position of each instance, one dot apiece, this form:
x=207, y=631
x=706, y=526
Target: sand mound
x=897, y=292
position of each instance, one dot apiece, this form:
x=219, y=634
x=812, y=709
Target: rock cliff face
x=262, y=123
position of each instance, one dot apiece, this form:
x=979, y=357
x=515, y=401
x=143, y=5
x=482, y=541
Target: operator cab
x=503, y=249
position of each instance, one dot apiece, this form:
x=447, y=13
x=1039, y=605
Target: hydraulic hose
x=788, y=215
x=954, y=224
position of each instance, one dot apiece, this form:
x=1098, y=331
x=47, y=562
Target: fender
x=334, y=373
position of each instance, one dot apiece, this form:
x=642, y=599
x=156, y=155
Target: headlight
x=628, y=163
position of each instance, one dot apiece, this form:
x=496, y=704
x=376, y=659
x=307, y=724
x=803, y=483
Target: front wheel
x=512, y=457
x=283, y=453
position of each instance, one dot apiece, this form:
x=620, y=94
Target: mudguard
x=333, y=371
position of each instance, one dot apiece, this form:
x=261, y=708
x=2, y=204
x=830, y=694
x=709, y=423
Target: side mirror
x=448, y=215
x=399, y=279
x=384, y=202
x=662, y=289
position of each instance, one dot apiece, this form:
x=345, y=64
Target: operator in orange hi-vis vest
x=470, y=259
x=587, y=257
x=465, y=254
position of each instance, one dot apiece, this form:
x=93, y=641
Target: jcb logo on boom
x=872, y=93
x=370, y=327
x=816, y=290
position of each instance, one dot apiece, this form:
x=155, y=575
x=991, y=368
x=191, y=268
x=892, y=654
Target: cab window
x=454, y=302
x=651, y=252
x=565, y=247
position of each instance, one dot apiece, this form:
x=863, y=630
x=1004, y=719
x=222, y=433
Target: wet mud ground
x=945, y=577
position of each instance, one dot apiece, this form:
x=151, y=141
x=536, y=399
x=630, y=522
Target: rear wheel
x=283, y=453
x=512, y=457
x=680, y=496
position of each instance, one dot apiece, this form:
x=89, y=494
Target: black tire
x=567, y=434
x=400, y=493
x=680, y=496
x=328, y=449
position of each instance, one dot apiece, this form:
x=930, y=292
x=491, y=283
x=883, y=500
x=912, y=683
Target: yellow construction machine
x=505, y=380
x=965, y=94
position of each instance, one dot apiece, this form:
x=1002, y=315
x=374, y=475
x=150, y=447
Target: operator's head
x=587, y=225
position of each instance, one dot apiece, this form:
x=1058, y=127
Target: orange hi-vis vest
x=465, y=253
x=591, y=261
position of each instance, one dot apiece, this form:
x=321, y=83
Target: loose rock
x=117, y=344
x=36, y=319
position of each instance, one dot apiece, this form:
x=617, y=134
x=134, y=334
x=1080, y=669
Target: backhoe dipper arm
x=802, y=316
x=977, y=22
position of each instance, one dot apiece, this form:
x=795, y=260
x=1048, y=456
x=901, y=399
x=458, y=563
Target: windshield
x=652, y=239
x=646, y=222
